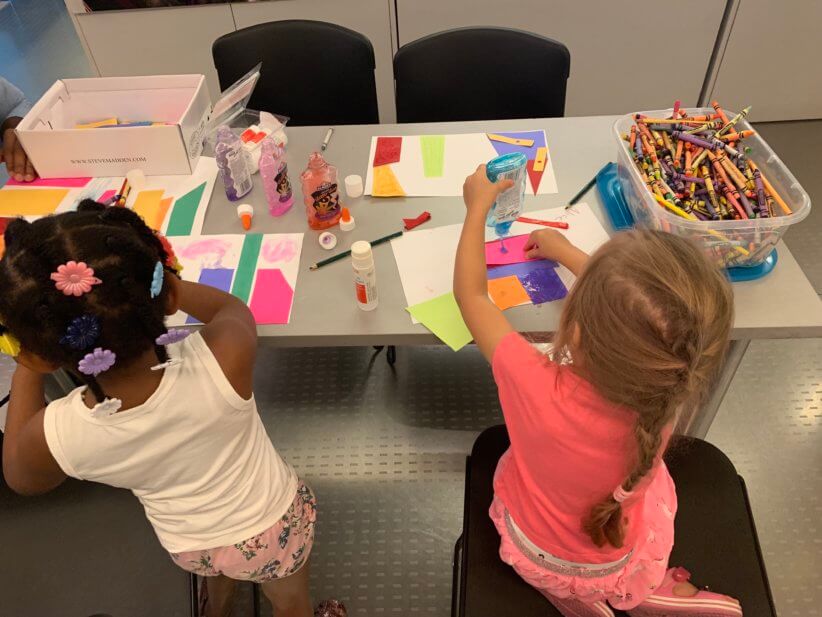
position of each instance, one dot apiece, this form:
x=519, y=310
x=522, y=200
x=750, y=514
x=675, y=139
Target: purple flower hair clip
x=98, y=361
x=174, y=335
x=82, y=332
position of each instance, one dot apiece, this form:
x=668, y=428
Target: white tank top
x=195, y=454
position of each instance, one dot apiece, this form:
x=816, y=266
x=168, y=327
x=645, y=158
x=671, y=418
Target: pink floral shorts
x=275, y=553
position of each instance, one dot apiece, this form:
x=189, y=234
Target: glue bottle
x=509, y=204
x=365, y=277
x=274, y=174
x=231, y=159
x=321, y=193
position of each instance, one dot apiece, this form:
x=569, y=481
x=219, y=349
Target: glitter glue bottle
x=321, y=193
x=365, y=277
x=274, y=174
x=231, y=159
x=509, y=204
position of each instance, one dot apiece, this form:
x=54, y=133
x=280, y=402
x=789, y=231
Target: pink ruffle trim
x=623, y=589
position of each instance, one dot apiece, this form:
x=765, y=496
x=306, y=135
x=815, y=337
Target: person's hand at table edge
x=17, y=161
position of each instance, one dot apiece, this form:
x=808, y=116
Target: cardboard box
x=59, y=150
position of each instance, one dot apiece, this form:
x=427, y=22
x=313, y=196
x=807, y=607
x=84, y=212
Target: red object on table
x=411, y=223
x=556, y=224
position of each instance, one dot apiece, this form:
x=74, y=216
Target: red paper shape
x=534, y=176
x=411, y=223
x=387, y=151
x=4, y=222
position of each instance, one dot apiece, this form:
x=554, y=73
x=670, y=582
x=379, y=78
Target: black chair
x=481, y=74
x=314, y=72
x=715, y=535
x=86, y=549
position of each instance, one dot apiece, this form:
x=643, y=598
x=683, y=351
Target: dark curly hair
x=123, y=252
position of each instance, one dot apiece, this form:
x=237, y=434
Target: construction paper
x=507, y=292
x=511, y=250
x=272, y=297
x=181, y=222
x=155, y=213
x=30, y=202
x=543, y=285
x=534, y=176
x=105, y=197
x=511, y=141
x=460, y=154
x=70, y=183
x=262, y=270
x=388, y=150
x=385, y=183
x=541, y=159
x=520, y=269
x=433, y=155
x=442, y=316
x=530, y=152
x=247, y=267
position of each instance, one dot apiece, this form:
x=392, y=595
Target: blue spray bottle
x=510, y=203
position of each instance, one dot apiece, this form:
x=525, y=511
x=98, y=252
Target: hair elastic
x=620, y=494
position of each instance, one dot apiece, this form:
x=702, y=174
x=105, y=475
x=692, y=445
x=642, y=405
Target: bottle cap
x=347, y=222
x=327, y=240
x=246, y=213
x=361, y=254
x=353, y=186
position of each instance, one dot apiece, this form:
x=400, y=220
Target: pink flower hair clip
x=74, y=278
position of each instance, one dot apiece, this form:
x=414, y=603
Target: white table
x=781, y=305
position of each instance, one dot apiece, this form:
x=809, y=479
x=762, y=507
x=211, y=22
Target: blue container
x=510, y=203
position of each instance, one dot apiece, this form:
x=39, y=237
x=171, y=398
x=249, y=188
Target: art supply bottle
x=231, y=159
x=365, y=277
x=321, y=193
x=274, y=174
x=510, y=203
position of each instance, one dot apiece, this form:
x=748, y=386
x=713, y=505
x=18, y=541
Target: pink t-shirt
x=570, y=448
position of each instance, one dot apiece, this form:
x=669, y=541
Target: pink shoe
x=571, y=607
x=665, y=603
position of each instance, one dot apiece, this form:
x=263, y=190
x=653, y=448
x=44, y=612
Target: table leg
x=703, y=417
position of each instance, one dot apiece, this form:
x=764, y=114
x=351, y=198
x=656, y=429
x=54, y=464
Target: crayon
x=771, y=190
x=760, y=194
x=728, y=125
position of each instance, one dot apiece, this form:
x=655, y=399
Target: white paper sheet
x=463, y=153
x=425, y=258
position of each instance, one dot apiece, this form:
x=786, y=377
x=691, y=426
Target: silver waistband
x=560, y=566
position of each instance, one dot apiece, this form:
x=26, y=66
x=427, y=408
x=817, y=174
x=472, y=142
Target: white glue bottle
x=365, y=277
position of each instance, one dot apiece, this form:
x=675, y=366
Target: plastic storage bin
x=729, y=243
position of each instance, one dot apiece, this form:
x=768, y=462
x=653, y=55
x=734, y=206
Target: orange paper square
x=507, y=292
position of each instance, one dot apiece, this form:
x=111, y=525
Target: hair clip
x=82, y=332
x=167, y=364
x=74, y=278
x=157, y=280
x=174, y=335
x=108, y=407
x=98, y=361
x=620, y=494
x=9, y=344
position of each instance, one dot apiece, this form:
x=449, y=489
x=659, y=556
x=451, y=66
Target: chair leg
x=391, y=355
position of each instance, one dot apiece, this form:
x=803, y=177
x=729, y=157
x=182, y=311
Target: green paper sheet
x=247, y=267
x=181, y=221
x=433, y=155
x=442, y=316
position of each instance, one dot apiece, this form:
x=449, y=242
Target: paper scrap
x=536, y=139
x=388, y=151
x=386, y=183
x=30, y=202
x=219, y=278
x=247, y=266
x=97, y=124
x=181, y=221
x=442, y=316
x=543, y=285
x=433, y=155
x=507, y=292
x=521, y=269
x=510, y=250
x=148, y=206
x=539, y=161
x=534, y=175
x=106, y=196
x=514, y=141
x=272, y=297
x=70, y=183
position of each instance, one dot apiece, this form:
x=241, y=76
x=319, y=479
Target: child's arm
x=229, y=331
x=28, y=466
x=485, y=321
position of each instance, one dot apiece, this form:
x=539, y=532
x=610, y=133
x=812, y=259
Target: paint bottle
x=365, y=277
x=231, y=159
x=509, y=204
x=274, y=174
x=321, y=193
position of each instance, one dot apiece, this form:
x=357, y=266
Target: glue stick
x=365, y=277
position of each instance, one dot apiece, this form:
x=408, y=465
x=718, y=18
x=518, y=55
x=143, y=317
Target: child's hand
x=551, y=244
x=479, y=193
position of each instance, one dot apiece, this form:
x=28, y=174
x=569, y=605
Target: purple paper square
x=543, y=285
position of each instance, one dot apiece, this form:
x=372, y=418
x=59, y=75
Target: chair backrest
x=480, y=74
x=314, y=72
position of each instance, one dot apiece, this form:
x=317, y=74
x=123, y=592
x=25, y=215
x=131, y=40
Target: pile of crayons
x=698, y=168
